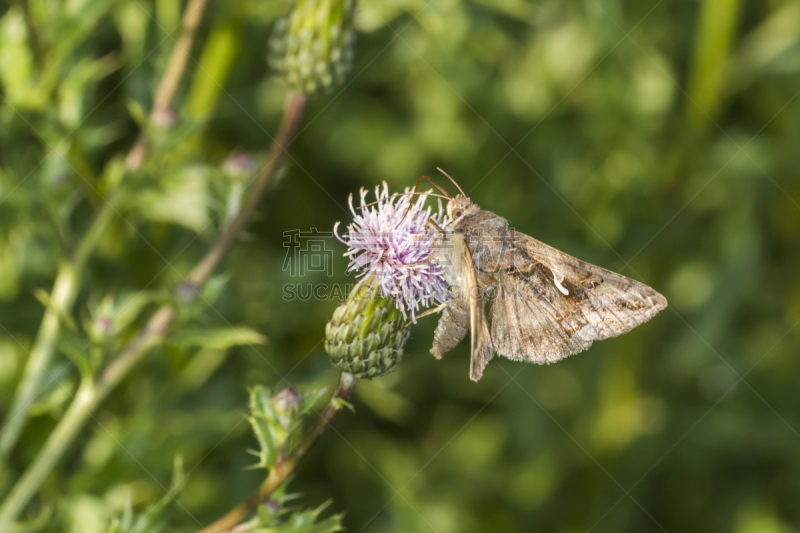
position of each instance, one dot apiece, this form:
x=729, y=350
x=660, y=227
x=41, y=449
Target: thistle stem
x=70, y=272
x=172, y=76
x=62, y=297
x=278, y=475
x=92, y=394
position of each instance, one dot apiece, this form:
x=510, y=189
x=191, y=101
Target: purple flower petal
x=395, y=248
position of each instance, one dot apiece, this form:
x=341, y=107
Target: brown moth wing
x=620, y=302
x=524, y=329
x=464, y=313
x=454, y=323
x=590, y=303
x=453, y=326
x=481, y=349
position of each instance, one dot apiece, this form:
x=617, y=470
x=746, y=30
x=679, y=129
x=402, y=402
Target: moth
x=545, y=305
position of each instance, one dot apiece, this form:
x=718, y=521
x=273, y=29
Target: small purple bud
x=164, y=118
x=287, y=402
x=239, y=166
x=273, y=507
x=187, y=292
x=62, y=180
x=102, y=324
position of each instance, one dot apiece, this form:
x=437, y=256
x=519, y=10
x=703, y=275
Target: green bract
x=367, y=333
x=312, y=45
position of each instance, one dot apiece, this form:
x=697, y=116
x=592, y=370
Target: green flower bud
x=367, y=333
x=312, y=45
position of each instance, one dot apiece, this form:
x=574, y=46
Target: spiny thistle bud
x=367, y=334
x=275, y=419
x=312, y=45
x=287, y=402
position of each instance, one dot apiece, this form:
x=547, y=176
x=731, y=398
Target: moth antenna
x=434, y=195
x=395, y=195
x=415, y=192
x=434, y=184
x=451, y=179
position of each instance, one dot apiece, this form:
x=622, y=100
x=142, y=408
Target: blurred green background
x=658, y=139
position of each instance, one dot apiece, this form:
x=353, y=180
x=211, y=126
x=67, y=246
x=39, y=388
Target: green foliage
x=276, y=420
x=156, y=518
x=276, y=517
x=303, y=522
x=220, y=338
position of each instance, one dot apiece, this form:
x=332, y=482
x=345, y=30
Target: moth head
x=460, y=206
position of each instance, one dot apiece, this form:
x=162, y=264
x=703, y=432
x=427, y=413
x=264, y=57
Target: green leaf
x=310, y=399
x=75, y=21
x=214, y=288
x=275, y=425
x=181, y=199
x=137, y=112
x=127, y=308
x=86, y=514
x=78, y=82
x=114, y=314
x=340, y=403
x=16, y=60
x=44, y=298
x=156, y=518
x=113, y=173
x=262, y=419
x=277, y=517
x=54, y=400
x=132, y=20
x=218, y=338
x=306, y=522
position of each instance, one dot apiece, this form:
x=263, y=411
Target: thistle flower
x=389, y=246
x=394, y=248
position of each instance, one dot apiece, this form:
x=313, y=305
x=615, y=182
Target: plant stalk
x=91, y=394
x=70, y=272
x=293, y=111
x=278, y=475
x=62, y=297
x=710, y=70
x=172, y=76
x=33, y=32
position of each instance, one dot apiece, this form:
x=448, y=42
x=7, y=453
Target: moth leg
x=436, y=227
x=418, y=263
x=433, y=223
x=437, y=309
